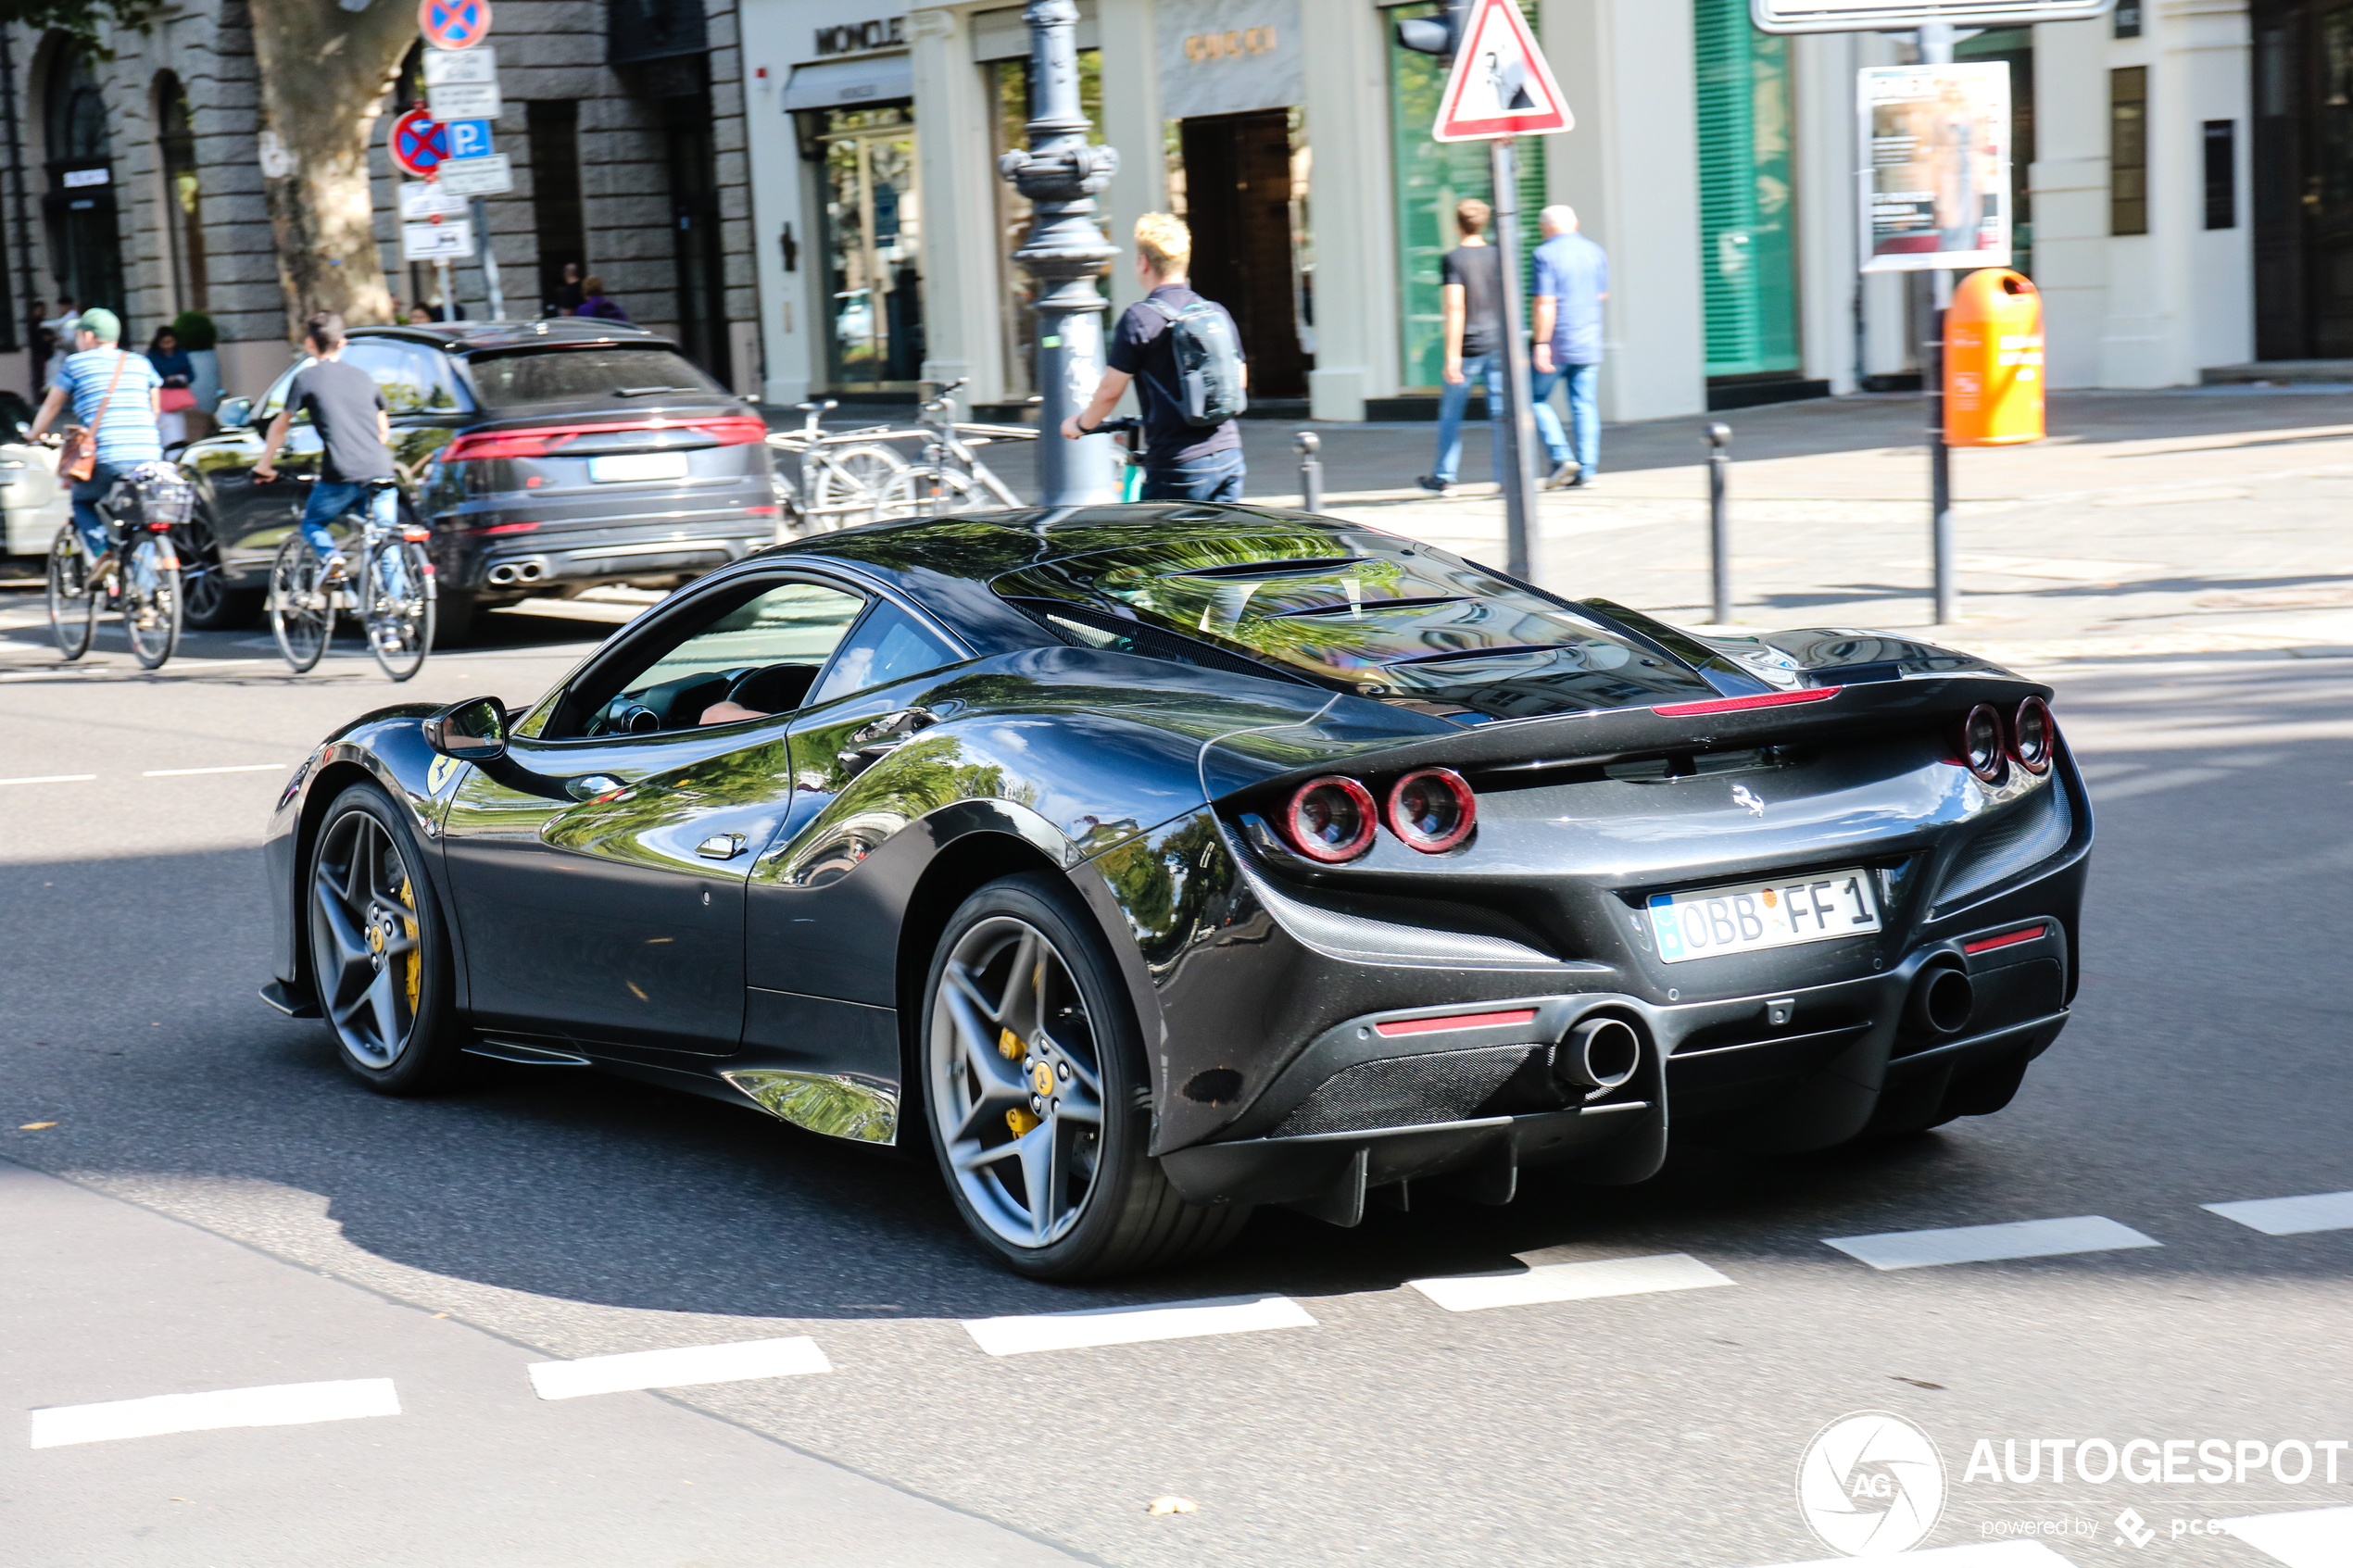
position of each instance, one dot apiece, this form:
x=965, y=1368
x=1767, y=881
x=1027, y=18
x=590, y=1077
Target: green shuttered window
x=1747, y=215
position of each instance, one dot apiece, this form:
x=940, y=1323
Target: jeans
x=1584, y=415
x=1452, y=401
x=1213, y=476
x=87, y=494
x=329, y=502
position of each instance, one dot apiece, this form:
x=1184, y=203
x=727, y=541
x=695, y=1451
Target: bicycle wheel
x=925, y=490
x=851, y=478
x=396, y=605
x=74, y=605
x=151, y=598
x=302, y=610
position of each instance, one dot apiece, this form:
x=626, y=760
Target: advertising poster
x=1937, y=193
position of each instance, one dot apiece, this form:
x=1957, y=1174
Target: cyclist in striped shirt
x=99, y=375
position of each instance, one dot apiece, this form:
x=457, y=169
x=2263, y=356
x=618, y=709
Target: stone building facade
x=138, y=182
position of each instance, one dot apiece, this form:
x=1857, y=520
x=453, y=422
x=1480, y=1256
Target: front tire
x=379, y=955
x=1032, y=1066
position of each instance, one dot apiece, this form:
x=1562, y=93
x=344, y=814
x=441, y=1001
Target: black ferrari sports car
x=1147, y=863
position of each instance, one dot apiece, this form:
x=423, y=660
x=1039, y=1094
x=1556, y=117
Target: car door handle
x=594, y=786
x=720, y=847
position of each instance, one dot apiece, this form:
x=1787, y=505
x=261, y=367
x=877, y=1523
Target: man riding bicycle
x=347, y=409
x=113, y=396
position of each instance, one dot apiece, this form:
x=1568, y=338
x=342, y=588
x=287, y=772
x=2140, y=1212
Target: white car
x=34, y=506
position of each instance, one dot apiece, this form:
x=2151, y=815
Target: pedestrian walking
x=1183, y=353
x=594, y=303
x=1470, y=294
x=1572, y=279
x=114, y=398
x=178, y=370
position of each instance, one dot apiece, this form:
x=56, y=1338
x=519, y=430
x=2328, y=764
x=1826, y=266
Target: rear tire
x=859, y=474
x=151, y=599
x=73, y=607
x=1057, y=1184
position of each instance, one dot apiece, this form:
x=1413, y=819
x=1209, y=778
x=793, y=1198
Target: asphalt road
x=213, y=1206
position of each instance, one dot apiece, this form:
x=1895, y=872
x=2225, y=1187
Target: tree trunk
x=326, y=71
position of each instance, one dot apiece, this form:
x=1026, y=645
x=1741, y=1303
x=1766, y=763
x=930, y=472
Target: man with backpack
x=1185, y=357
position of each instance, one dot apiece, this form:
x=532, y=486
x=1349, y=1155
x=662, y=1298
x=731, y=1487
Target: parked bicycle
x=389, y=589
x=951, y=478
x=138, y=576
x=843, y=476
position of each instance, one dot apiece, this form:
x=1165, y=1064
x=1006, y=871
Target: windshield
x=1383, y=615
x=568, y=375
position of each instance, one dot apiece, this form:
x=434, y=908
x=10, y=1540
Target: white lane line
x=1988, y=1244
x=1544, y=1281
x=1135, y=1325
x=239, y=768
x=677, y=1369
x=284, y=1404
x=54, y=778
x=1987, y=1554
x=2290, y=1216
x=2319, y=1537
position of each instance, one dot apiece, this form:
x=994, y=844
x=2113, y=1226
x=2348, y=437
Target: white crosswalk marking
x=678, y=1368
x=1988, y=1554
x=1135, y=1325
x=2290, y=1216
x=284, y=1404
x=2319, y=1537
x=1987, y=1244
x=1545, y=1280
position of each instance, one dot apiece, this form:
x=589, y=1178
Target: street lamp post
x=1059, y=173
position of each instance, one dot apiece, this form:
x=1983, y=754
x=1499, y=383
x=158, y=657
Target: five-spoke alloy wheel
x=377, y=956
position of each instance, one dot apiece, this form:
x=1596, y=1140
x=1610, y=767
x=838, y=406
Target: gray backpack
x=1209, y=363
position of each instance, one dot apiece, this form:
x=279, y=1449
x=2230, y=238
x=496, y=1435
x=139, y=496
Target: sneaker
x=1435, y=486
x=1563, y=471
x=335, y=571
x=1583, y=481
x=146, y=619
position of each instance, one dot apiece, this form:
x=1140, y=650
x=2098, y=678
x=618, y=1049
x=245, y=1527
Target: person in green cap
x=113, y=396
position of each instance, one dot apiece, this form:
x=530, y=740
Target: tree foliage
x=87, y=21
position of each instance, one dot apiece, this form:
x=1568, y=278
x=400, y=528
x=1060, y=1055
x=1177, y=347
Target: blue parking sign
x=470, y=138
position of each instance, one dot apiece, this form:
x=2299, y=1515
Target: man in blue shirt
x=100, y=376
x=1572, y=279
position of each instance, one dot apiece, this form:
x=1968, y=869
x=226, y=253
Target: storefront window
x=1748, y=269
x=873, y=249
x=1007, y=85
x=1431, y=176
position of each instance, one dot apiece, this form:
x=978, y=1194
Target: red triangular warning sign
x=1500, y=85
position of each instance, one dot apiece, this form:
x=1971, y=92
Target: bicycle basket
x=166, y=498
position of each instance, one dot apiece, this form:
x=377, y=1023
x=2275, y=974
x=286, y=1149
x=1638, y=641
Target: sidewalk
x=2199, y=520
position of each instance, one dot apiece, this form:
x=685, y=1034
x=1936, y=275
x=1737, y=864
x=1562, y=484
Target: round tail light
x=1432, y=809
x=1982, y=748
x=1330, y=820
x=2033, y=735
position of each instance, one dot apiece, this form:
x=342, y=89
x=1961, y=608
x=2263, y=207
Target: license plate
x=1719, y=920
x=632, y=467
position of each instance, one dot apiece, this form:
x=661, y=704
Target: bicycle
x=840, y=475
x=390, y=594
x=139, y=575
x=950, y=477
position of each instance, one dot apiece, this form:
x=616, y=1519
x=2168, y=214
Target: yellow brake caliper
x=416, y=959
x=1009, y=1047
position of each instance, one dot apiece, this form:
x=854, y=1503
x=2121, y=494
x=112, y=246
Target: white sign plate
x=422, y=199
x=463, y=100
x=492, y=176
x=452, y=238
x=445, y=67
x=1897, y=16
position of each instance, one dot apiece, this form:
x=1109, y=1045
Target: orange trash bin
x=1993, y=361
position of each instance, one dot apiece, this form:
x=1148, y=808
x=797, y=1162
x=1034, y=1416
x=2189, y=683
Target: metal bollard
x=1311, y=470
x=1719, y=533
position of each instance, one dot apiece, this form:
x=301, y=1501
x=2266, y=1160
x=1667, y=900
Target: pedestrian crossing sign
x=1500, y=85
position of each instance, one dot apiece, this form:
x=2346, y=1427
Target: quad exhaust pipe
x=506, y=574
x=1598, y=1055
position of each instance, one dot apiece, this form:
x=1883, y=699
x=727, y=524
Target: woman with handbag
x=179, y=373
x=113, y=407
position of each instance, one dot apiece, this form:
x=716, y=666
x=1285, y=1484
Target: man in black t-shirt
x=1470, y=292
x=347, y=409
x=1182, y=462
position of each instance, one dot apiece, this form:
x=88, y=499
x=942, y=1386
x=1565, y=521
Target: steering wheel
x=772, y=688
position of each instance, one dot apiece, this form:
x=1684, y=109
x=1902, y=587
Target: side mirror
x=234, y=413
x=472, y=731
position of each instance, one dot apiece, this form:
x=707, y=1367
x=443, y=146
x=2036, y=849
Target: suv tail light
x=1329, y=820
x=2033, y=735
x=1432, y=809
x=546, y=441
x=1982, y=749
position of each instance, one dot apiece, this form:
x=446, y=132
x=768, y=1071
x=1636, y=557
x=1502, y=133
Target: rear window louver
x=1084, y=626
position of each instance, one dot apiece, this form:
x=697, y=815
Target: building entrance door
x=873, y=250
x=1239, y=203
x=2304, y=180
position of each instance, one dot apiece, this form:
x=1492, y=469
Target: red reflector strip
x=1459, y=1020
x=2008, y=939
x=1736, y=704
